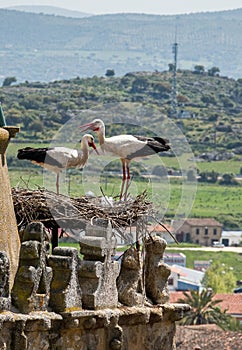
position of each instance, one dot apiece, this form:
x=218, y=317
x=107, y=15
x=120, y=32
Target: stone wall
x=59, y=301
x=126, y=328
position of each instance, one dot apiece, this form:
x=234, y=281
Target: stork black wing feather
x=38, y=155
x=158, y=144
x=153, y=145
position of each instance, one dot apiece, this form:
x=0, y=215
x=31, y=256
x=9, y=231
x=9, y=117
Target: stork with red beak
x=126, y=147
x=58, y=158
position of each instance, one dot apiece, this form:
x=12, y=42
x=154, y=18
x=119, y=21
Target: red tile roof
x=203, y=222
x=159, y=228
x=231, y=302
x=207, y=337
x=175, y=296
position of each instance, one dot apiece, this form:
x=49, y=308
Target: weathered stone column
x=5, y=299
x=9, y=238
x=31, y=289
x=65, y=291
x=156, y=271
x=97, y=272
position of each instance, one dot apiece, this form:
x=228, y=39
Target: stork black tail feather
x=36, y=154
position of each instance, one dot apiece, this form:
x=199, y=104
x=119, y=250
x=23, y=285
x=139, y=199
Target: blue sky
x=140, y=6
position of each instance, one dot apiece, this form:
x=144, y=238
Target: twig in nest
x=58, y=210
x=171, y=234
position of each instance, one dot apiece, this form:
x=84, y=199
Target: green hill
x=209, y=107
x=49, y=10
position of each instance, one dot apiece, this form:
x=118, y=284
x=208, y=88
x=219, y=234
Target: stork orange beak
x=88, y=126
x=94, y=147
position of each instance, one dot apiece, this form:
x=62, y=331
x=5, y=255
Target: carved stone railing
x=90, y=303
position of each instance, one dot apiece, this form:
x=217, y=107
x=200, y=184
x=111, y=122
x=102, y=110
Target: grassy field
x=222, y=167
x=171, y=197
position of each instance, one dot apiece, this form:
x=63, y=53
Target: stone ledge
x=124, y=328
x=126, y=315
x=132, y=315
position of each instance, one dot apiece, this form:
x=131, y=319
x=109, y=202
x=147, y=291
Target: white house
x=231, y=238
x=183, y=278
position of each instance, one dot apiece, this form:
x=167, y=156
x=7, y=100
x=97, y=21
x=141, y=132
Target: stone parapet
x=124, y=328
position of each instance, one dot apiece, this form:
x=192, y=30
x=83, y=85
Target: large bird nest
x=74, y=213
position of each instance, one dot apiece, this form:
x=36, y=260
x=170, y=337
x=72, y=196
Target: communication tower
x=174, y=84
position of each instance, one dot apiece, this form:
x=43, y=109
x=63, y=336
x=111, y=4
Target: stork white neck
x=100, y=131
x=84, y=147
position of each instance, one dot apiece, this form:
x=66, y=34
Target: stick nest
x=74, y=213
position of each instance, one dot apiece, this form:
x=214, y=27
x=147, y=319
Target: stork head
x=89, y=139
x=97, y=125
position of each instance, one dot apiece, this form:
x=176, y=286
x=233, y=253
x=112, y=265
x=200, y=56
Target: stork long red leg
x=127, y=180
x=57, y=183
x=123, y=179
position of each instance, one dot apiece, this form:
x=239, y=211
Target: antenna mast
x=174, y=85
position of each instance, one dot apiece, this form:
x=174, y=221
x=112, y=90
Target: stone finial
x=5, y=299
x=65, y=291
x=129, y=283
x=156, y=271
x=31, y=290
x=98, y=273
x=99, y=241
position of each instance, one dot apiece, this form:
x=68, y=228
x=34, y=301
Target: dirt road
x=210, y=249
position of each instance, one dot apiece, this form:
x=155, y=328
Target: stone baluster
x=156, y=271
x=98, y=272
x=31, y=289
x=65, y=291
x=5, y=299
x=129, y=283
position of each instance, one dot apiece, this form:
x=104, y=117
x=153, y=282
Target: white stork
x=58, y=158
x=126, y=147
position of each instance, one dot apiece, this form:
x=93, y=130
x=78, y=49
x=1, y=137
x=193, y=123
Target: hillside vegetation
x=209, y=111
x=45, y=47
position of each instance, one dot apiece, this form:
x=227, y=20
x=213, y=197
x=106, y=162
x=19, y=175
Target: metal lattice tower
x=174, y=85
